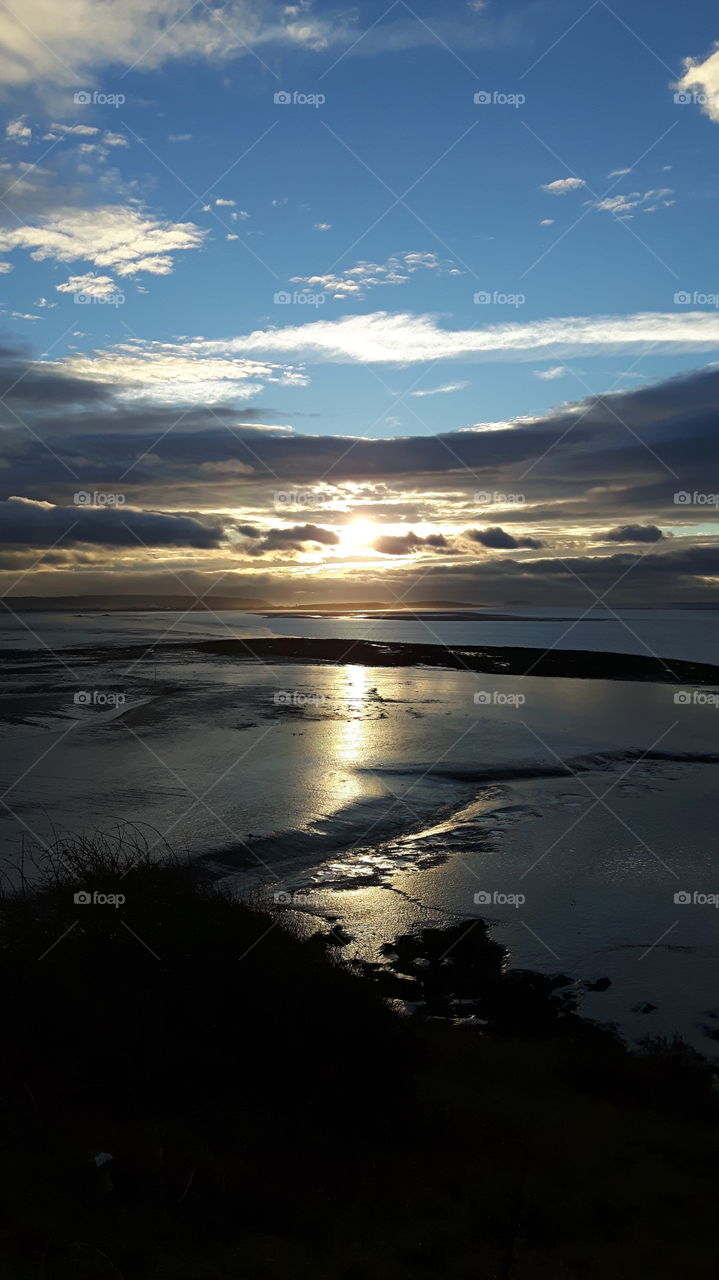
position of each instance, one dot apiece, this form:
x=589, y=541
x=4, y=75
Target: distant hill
x=366, y=606
x=115, y=603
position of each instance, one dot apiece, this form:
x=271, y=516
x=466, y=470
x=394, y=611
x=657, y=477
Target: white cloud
x=624, y=205
x=562, y=185
x=19, y=131
x=225, y=204
x=114, y=139
x=64, y=130
x=180, y=372
x=619, y=173
x=549, y=375
x=396, y=338
x=446, y=389
x=94, y=286
x=547, y=222
x=702, y=79
x=5, y=268
x=357, y=280
x=124, y=239
x=180, y=137
x=59, y=44
x=323, y=226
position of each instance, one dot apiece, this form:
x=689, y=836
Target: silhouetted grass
x=268, y=1115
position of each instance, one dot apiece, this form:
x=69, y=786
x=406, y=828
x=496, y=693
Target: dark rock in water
x=644, y=1006
x=338, y=936
x=601, y=984
x=461, y=971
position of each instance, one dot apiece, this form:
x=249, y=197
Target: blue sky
x=150, y=237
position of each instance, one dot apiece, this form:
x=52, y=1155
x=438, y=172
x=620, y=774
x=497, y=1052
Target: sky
x=397, y=302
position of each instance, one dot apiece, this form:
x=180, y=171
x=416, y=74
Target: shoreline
x=570, y=664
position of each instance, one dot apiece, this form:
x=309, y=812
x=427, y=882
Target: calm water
x=668, y=633
x=390, y=797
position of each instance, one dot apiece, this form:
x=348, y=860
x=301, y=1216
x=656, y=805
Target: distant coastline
x=573, y=664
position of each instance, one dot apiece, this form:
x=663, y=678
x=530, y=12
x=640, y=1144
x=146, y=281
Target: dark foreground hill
x=189, y=1091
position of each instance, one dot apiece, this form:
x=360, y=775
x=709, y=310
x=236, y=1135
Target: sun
x=358, y=535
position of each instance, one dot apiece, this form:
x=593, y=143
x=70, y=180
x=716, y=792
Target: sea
x=576, y=817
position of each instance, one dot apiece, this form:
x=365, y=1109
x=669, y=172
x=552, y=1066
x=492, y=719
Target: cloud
x=562, y=185
x=623, y=205
x=289, y=540
x=179, y=373
x=30, y=523
x=124, y=239
x=358, y=280
x=702, y=78
x=179, y=137
x=547, y=222
x=550, y=375
x=62, y=45
x=323, y=226
x=383, y=337
x=445, y=390
x=406, y=543
x=498, y=539
x=19, y=131
x=225, y=204
x=631, y=533
x=90, y=284
x=114, y=139
x=619, y=173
